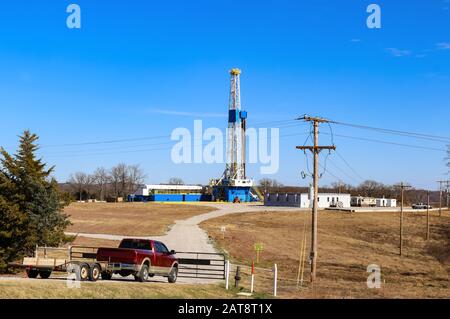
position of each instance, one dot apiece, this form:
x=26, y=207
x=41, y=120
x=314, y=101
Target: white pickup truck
x=421, y=206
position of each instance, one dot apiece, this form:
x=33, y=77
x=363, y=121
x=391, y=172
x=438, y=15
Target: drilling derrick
x=235, y=169
x=234, y=185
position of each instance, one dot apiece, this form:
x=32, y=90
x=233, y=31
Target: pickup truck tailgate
x=117, y=255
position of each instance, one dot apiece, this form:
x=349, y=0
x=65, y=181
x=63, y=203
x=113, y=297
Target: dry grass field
x=57, y=289
x=348, y=243
x=130, y=219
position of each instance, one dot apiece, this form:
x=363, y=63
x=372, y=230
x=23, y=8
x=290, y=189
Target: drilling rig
x=234, y=186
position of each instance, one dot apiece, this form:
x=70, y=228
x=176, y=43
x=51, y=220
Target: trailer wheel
x=143, y=274
x=32, y=274
x=173, y=276
x=94, y=273
x=84, y=272
x=45, y=274
x=106, y=275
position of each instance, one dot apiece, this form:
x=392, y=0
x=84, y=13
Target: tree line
x=103, y=184
x=108, y=184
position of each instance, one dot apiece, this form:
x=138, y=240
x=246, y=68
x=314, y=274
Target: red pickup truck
x=141, y=258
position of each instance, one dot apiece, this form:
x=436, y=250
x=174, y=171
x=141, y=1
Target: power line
x=111, y=153
x=106, y=141
x=98, y=151
x=170, y=142
x=327, y=170
x=116, y=141
x=343, y=172
x=390, y=143
x=398, y=132
x=349, y=166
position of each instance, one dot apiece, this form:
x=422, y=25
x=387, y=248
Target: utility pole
x=446, y=192
x=440, y=195
x=316, y=149
x=339, y=187
x=428, y=215
x=402, y=186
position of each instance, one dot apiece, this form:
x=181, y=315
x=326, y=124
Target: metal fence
x=201, y=265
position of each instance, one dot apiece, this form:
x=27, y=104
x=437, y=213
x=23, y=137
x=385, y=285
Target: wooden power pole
x=428, y=215
x=402, y=186
x=440, y=195
x=315, y=149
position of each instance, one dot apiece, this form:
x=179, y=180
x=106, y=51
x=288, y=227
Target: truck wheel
x=173, y=276
x=143, y=274
x=84, y=272
x=94, y=273
x=106, y=275
x=45, y=274
x=32, y=274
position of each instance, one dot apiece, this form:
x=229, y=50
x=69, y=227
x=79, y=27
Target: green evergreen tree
x=13, y=228
x=30, y=200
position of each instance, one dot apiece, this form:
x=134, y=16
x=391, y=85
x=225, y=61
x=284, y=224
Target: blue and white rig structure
x=234, y=186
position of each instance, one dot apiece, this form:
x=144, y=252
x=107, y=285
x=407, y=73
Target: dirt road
x=186, y=235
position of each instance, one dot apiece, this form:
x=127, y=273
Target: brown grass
x=348, y=243
x=57, y=289
x=129, y=219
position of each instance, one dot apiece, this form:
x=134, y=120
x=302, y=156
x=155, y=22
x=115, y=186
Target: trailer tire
x=143, y=274
x=106, y=275
x=84, y=272
x=32, y=274
x=45, y=274
x=94, y=273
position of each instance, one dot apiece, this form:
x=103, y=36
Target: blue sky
x=142, y=68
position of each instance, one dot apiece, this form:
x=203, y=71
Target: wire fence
x=264, y=280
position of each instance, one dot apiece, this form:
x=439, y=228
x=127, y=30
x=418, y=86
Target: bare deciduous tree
x=136, y=177
x=175, y=181
x=79, y=182
x=101, y=179
x=269, y=185
x=116, y=175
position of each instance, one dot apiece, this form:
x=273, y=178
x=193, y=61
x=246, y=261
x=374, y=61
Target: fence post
x=252, y=288
x=227, y=274
x=275, y=279
x=237, y=278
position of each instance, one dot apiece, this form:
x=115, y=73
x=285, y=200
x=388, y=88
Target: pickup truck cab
x=140, y=258
x=421, y=206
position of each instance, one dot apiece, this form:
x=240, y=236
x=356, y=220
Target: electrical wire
x=330, y=173
x=349, y=166
x=97, y=152
x=398, y=132
x=116, y=141
x=390, y=143
x=343, y=172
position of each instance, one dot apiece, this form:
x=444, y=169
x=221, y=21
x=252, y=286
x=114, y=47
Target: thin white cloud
x=355, y=40
x=398, y=52
x=188, y=114
x=443, y=46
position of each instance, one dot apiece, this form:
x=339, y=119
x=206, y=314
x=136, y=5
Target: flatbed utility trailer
x=78, y=260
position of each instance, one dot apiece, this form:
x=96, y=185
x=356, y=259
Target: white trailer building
x=325, y=200
x=386, y=202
